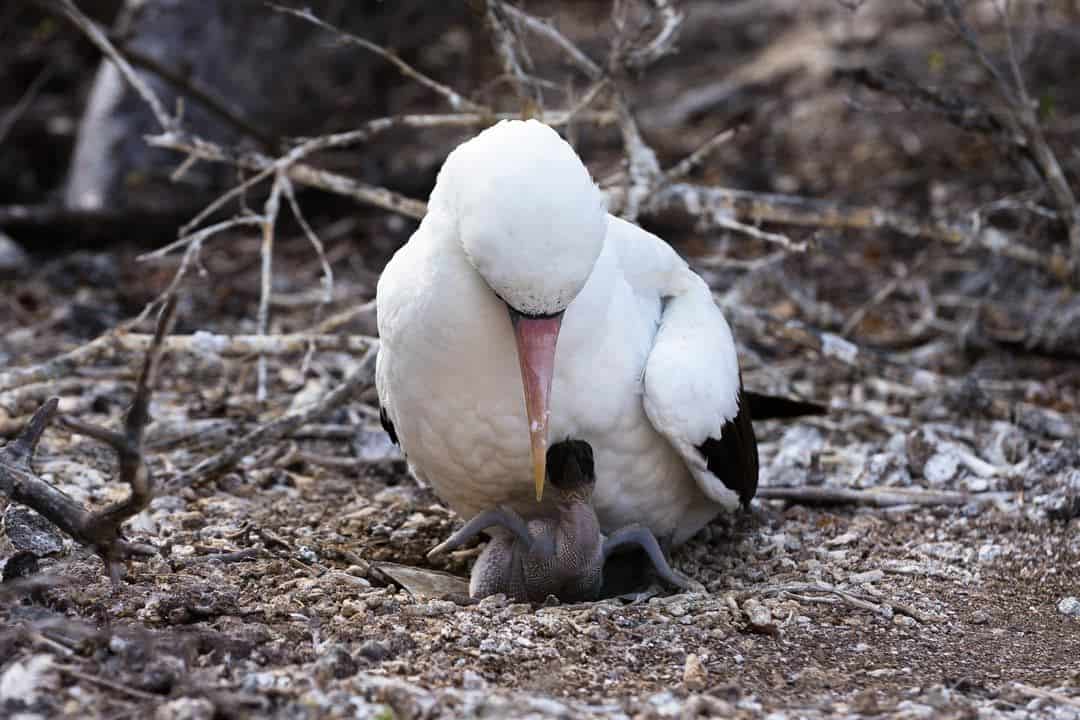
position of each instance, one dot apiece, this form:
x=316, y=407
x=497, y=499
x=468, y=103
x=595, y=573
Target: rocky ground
x=275, y=592
x=297, y=585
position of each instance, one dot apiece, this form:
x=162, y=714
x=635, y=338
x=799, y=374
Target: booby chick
x=562, y=555
x=521, y=310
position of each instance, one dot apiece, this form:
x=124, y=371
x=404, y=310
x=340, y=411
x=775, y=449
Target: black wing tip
x=733, y=457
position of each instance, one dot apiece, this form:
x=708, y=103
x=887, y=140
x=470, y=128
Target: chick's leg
x=643, y=537
x=502, y=517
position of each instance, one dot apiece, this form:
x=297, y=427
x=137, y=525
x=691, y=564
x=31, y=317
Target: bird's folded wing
x=693, y=396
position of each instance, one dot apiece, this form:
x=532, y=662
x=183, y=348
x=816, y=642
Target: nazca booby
x=562, y=555
x=519, y=284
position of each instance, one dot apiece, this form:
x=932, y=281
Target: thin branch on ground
x=643, y=169
x=117, y=341
x=705, y=202
x=265, y=167
x=266, y=276
x=962, y=392
x=102, y=529
x=851, y=598
x=337, y=320
x=867, y=497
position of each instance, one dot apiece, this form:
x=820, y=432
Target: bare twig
x=457, y=101
x=96, y=36
x=643, y=168
x=269, y=220
x=871, y=497
x=316, y=244
x=106, y=683
x=687, y=165
x=663, y=43
x=548, y=31
x=297, y=172
x=851, y=598
x=201, y=343
x=59, y=366
x=1021, y=118
x=265, y=167
x=705, y=202
x=101, y=529
x=509, y=49
x=192, y=86
x=12, y=116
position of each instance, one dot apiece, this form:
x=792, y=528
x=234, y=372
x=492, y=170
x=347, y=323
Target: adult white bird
x=521, y=313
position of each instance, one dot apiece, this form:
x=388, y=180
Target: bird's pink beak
x=536, y=338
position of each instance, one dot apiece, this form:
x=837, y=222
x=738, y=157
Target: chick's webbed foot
x=503, y=517
x=643, y=538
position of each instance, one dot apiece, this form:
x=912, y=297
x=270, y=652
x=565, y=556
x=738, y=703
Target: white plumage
x=645, y=368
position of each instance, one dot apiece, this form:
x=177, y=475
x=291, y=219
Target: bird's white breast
x=448, y=374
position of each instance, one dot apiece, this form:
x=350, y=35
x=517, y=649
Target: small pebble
x=694, y=674
x=870, y=576
x=1069, y=606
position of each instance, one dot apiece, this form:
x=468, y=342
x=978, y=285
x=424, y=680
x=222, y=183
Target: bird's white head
x=528, y=215
x=532, y=223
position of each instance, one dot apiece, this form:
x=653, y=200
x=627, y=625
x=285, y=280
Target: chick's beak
x=536, y=337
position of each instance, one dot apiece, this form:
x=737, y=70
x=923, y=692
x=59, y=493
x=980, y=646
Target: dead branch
x=213, y=467
x=1020, y=117
x=191, y=86
x=869, y=497
x=200, y=343
x=709, y=203
x=303, y=174
x=548, y=31
x=964, y=393
x=102, y=529
x=297, y=172
x=663, y=43
x=457, y=101
x=12, y=115
x=313, y=239
x=509, y=50
x=269, y=220
x=96, y=36
x=846, y=596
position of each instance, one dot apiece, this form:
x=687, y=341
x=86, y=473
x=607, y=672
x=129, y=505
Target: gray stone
x=30, y=532
x=1069, y=606
x=13, y=259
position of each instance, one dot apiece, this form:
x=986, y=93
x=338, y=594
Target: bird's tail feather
x=772, y=407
